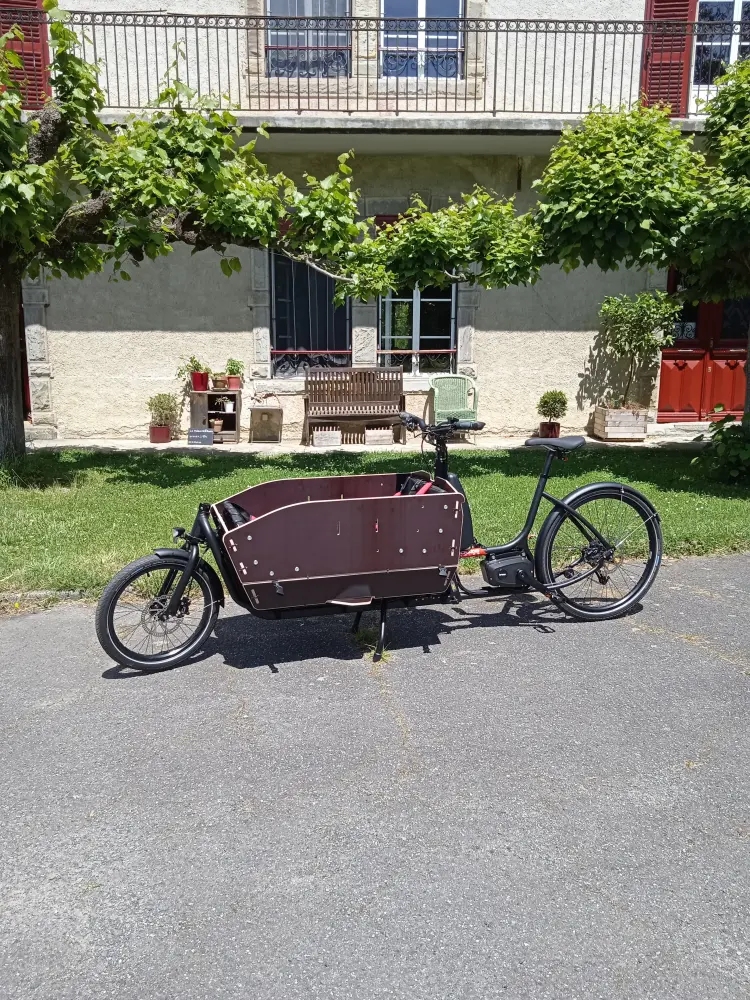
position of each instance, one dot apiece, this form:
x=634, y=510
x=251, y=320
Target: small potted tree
x=194, y=371
x=235, y=370
x=553, y=406
x=635, y=331
x=165, y=412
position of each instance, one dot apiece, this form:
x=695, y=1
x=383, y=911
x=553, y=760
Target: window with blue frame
x=723, y=37
x=422, y=39
x=299, y=44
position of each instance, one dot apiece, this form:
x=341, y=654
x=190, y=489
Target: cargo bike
x=331, y=545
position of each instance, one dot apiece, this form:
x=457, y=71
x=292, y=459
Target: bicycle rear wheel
x=606, y=580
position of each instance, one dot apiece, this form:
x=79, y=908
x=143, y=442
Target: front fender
x=213, y=577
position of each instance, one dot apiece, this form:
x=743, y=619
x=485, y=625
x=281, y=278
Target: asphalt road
x=513, y=806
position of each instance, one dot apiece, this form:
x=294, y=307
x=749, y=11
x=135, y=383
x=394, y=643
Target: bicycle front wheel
x=131, y=621
x=606, y=579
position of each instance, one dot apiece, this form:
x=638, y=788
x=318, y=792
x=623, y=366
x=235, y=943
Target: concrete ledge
x=412, y=445
x=508, y=123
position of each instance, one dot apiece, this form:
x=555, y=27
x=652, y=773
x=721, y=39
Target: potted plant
x=218, y=380
x=635, y=331
x=165, y=412
x=196, y=372
x=225, y=403
x=235, y=370
x=552, y=405
x=216, y=424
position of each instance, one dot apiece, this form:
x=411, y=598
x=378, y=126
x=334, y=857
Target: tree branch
x=183, y=227
x=82, y=221
x=316, y=267
x=458, y=278
x=45, y=140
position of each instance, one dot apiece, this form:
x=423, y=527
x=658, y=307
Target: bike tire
x=641, y=514
x=106, y=631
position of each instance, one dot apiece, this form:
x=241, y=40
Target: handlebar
x=445, y=428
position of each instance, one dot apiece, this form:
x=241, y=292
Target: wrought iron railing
x=405, y=65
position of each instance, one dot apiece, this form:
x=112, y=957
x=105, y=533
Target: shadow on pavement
x=247, y=643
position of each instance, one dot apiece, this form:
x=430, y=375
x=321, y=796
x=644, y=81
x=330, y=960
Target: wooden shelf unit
x=203, y=408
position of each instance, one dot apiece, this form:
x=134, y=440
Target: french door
x=705, y=367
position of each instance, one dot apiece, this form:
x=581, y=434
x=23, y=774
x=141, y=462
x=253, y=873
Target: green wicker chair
x=455, y=396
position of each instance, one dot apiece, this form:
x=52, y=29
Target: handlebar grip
x=412, y=422
x=469, y=425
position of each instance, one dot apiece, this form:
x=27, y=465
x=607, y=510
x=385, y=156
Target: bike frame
x=521, y=542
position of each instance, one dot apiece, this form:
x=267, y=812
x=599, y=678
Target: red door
x=705, y=367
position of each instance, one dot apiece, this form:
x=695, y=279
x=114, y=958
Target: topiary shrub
x=552, y=405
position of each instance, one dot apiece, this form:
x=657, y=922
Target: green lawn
x=70, y=519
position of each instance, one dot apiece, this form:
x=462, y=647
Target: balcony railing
x=382, y=66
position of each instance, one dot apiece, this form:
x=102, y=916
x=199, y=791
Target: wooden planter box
x=619, y=425
x=378, y=435
x=326, y=437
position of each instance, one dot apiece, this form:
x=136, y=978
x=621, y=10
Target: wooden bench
x=352, y=395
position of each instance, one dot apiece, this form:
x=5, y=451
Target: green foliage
x=552, y=405
x=479, y=240
x=726, y=130
x=628, y=188
x=165, y=410
x=728, y=452
x=188, y=366
x=616, y=188
x=234, y=367
x=637, y=328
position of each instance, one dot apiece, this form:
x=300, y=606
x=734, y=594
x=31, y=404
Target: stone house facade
x=433, y=99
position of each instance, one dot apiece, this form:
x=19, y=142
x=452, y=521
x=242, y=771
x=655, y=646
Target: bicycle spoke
x=138, y=620
x=617, y=570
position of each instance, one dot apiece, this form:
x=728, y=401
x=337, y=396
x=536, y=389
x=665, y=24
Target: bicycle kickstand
x=378, y=654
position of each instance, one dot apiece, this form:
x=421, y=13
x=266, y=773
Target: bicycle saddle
x=572, y=443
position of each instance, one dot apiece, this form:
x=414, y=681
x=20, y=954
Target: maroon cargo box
x=344, y=540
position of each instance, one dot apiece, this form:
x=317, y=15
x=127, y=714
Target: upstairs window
x=723, y=37
x=308, y=49
x=422, y=38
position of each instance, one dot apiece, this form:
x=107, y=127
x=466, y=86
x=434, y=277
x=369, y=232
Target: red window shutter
x=667, y=54
x=34, y=51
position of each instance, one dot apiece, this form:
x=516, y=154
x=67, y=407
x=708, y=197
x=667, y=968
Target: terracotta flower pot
x=219, y=381
x=199, y=381
x=234, y=381
x=549, y=429
x=159, y=434
x=216, y=425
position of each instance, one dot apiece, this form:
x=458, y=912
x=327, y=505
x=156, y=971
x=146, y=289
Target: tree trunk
x=12, y=445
